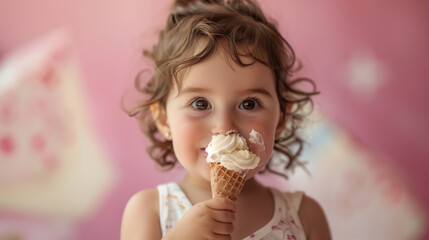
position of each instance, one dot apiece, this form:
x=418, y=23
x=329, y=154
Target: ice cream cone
x=225, y=183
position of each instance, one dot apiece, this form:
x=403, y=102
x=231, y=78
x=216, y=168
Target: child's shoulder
x=146, y=198
x=141, y=215
x=309, y=211
x=313, y=218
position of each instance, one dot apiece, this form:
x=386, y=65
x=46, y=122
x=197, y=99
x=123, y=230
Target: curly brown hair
x=231, y=25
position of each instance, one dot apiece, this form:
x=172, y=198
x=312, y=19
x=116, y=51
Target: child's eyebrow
x=188, y=90
x=262, y=91
x=193, y=90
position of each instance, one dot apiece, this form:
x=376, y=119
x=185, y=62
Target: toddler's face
x=217, y=96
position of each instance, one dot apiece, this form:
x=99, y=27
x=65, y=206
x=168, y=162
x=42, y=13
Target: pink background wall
x=388, y=114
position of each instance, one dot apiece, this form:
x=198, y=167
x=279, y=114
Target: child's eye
x=250, y=104
x=201, y=104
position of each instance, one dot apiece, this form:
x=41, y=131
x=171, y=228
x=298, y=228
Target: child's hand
x=211, y=219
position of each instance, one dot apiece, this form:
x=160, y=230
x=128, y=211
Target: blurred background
x=70, y=158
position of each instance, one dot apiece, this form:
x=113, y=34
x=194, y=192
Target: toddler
x=221, y=68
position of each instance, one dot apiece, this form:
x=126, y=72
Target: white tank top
x=285, y=223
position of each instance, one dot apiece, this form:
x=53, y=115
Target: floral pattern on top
x=284, y=225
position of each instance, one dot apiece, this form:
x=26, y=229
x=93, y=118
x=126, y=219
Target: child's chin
x=206, y=174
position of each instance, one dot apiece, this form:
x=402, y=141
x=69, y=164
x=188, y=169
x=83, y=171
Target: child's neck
x=195, y=188
x=196, y=182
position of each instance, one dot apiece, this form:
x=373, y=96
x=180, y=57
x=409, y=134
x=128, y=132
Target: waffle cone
x=225, y=183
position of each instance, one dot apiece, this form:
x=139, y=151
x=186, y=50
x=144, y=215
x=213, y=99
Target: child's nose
x=224, y=123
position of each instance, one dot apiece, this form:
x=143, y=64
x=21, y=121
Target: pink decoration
x=48, y=147
x=7, y=145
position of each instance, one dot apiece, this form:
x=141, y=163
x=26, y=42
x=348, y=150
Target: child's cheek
x=186, y=137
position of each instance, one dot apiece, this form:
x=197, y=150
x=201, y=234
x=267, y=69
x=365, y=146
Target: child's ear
x=160, y=116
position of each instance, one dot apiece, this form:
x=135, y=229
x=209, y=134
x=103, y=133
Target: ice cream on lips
x=232, y=152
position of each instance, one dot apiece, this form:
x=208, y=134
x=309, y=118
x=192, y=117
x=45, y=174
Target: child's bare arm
x=141, y=217
x=211, y=219
x=313, y=220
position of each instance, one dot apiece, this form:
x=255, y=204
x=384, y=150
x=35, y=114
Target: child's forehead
x=219, y=71
x=224, y=53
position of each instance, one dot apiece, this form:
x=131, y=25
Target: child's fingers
x=223, y=228
x=218, y=203
x=223, y=216
x=222, y=237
